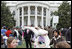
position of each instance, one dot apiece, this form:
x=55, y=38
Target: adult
x=20, y=35
x=8, y=32
x=57, y=38
x=27, y=36
x=50, y=32
x=16, y=33
x=3, y=30
x=68, y=36
x=63, y=31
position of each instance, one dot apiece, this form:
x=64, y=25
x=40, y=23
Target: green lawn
x=23, y=45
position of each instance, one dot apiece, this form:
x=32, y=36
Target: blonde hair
x=10, y=39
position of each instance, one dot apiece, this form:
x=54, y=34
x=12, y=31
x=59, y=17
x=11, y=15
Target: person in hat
x=3, y=30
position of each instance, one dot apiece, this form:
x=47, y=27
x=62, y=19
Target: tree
x=6, y=16
x=64, y=13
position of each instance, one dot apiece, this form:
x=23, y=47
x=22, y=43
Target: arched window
x=32, y=8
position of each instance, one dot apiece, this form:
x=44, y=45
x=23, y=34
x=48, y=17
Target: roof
x=51, y=3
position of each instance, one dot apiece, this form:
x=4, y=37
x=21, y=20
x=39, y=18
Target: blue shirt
x=3, y=31
x=11, y=35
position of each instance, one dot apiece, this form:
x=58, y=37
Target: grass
x=23, y=45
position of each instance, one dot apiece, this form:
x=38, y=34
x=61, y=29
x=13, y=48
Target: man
x=20, y=35
x=63, y=31
x=50, y=32
x=27, y=37
x=3, y=30
x=16, y=33
x=68, y=36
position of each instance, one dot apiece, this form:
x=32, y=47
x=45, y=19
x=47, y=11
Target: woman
x=57, y=38
x=11, y=42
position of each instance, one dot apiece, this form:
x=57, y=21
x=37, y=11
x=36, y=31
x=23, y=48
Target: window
x=39, y=10
x=20, y=11
x=25, y=10
x=32, y=9
x=44, y=11
x=13, y=13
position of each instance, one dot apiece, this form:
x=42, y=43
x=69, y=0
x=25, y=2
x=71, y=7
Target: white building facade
x=36, y=13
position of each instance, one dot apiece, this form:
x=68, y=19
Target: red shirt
x=8, y=33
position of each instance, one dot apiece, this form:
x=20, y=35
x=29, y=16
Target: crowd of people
x=12, y=37
x=60, y=37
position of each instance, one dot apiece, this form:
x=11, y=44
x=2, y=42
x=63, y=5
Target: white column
x=28, y=15
x=22, y=17
x=42, y=19
x=18, y=17
x=47, y=17
x=36, y=23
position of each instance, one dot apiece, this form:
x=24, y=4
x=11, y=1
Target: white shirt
x=27, y=31
x=17, y=32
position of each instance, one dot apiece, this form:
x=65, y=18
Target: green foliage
x=6, y=16
x=64, y=13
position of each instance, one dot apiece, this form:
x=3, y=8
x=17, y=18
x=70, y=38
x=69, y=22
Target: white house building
x=33, y=12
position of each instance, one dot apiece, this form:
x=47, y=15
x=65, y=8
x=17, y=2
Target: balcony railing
x=32, y=12
x=39, y=13
x=44, y=14
x=25, y=13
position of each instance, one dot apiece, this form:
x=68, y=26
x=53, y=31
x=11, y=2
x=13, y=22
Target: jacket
x=56, y=40
x=27, y=36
